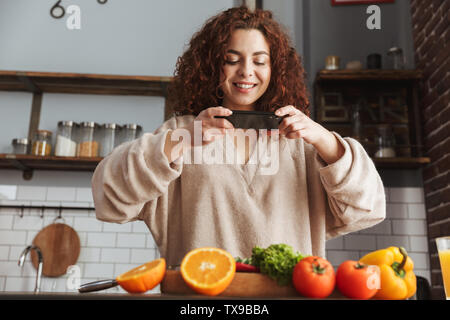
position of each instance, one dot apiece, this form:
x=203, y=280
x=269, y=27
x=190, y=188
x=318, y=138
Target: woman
x=325, y=185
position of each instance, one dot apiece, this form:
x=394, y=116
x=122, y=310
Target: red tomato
x=354, y=280
x=314, y=277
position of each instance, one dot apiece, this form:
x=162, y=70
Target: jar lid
x=395, y=50
x=132, y=126
x=110, y=126
x=67, y=123
x=44, y=133
x=17, y=141
x=88, y=124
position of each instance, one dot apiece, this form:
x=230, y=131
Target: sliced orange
x=208, y=271
x=144, y=277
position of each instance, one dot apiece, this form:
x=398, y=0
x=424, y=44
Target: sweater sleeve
x=354, y=190
x=134, y=175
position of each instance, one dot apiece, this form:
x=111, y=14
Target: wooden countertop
x=148, y=296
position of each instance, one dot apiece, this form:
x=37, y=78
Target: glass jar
x=396, y=58
x=130, y=132
x=20, y=146
x=87, y=145
x=374, y=61
x=42, y=143
x=66, y=145
x=108, y=138
x=356, y=122
x=332, y=62
x=385, y=142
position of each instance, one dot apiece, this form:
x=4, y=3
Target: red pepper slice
x=243, y=267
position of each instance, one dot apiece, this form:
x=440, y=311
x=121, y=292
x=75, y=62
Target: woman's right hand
x=211, y=128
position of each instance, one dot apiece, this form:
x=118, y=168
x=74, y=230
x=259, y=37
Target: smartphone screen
x=253, y=119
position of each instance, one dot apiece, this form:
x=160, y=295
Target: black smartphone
x=253, y=119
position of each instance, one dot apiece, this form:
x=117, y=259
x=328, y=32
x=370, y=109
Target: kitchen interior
x=71, y=93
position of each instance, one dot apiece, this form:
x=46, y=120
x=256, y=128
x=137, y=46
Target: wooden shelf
x=401, y=163
x=39, y=83
x=384, y=97
x=56, y=82
x=28, y=163
x=369, y=74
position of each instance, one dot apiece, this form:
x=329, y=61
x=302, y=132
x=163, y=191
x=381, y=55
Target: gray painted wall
x=133, y=37
x=289, y=13
x=342, y=31
x=137, y=37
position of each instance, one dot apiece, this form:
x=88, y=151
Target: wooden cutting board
x=244, y=284
x=60, y=247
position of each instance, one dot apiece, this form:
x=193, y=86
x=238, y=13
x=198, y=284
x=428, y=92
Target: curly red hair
x=196, y=83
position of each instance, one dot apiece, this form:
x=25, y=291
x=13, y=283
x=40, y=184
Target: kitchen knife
x=98, y=285
x=109, y=283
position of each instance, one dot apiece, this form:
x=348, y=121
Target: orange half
x=208, y=271
x=144, y=277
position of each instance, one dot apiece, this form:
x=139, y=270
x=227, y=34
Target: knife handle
x=97, y=285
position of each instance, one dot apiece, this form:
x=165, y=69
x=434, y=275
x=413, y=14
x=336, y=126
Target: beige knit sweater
x=234, y=206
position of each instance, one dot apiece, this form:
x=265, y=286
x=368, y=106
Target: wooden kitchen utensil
x=244, y=284
x=60, y=247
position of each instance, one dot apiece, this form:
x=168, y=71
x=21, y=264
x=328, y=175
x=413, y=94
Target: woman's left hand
x=298, y=125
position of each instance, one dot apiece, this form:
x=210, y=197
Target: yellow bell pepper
x=397, y=279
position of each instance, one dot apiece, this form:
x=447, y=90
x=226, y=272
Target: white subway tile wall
x=109, y=249
x=405, y=225
x=31, y=193
x=8, y=192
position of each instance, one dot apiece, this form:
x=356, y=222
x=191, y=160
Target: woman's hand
x=205, y=125
x=211, y=127
x=297, y=125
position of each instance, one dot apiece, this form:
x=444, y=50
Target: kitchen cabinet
x=358, y=103
x=39, y=83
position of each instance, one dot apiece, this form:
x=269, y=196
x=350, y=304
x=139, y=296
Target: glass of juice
x=443, y=246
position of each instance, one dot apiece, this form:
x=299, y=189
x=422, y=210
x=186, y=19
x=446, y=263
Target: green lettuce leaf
x=276, y=261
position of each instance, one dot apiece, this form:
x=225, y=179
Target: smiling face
x=246, y=73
